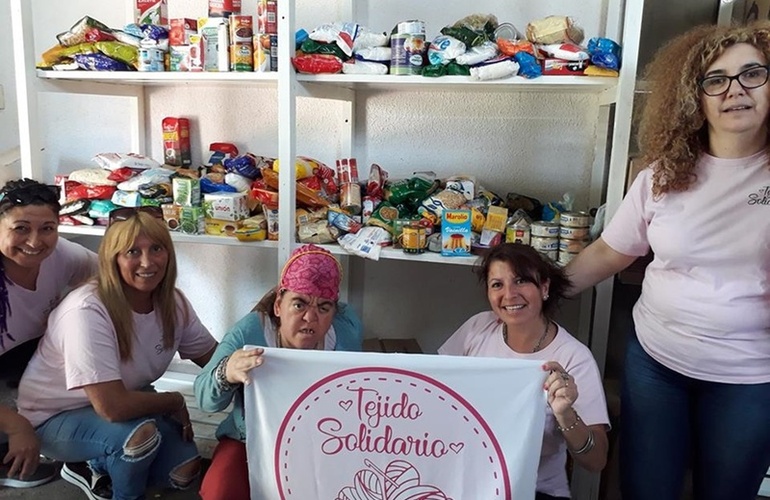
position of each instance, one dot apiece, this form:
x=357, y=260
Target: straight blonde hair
x=119, y=238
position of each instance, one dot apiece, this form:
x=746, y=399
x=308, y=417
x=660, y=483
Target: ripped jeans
x=82, y=435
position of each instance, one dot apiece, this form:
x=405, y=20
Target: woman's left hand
x=182, y=416
x=561, y=387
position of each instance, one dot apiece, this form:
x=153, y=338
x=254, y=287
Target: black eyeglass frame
x=124, y=213
x=26, y=195
x=737, y=78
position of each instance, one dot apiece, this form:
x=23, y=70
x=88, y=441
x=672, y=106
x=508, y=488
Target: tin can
x=551, y=254
x=545, y=229
x=544, y=244
x=408, y=48
x=350, y=198
x=517, y=233
x=273, y=52
x=575, y=219
x=572, y=246
x=413, y=239
x=565, y=257
x=574, y=233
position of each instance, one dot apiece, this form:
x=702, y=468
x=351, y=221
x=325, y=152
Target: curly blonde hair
x=673, y=131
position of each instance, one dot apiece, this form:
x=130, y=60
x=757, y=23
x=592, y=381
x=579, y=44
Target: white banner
x=368, y=426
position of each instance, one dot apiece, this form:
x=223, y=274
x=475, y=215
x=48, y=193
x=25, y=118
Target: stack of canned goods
x=574, y=234
x=544, y=237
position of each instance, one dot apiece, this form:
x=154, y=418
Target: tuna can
x=517, y=233
x=574, y=233
x=544, y=229
x=544, y=244
x=413, y=239
x=572, y=246
x=566, y=257
x=575, y=219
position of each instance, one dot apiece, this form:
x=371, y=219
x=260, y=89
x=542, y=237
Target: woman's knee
x=142, y=441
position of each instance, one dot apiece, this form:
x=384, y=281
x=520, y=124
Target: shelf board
x=390, y=253
x=160, y=78
x=548, y=83
x=202, y=239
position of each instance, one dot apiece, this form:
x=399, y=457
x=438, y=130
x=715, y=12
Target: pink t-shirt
x=704, y=311
x=80, y=348
x=69, y=265
x=482, y=336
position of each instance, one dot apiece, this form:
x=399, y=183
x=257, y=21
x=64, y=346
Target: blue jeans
x=670, y=421
x=82, y=435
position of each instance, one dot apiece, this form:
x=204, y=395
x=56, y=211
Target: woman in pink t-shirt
x=36, y=268
x=87, y=389
x=524, y=289
x=696, y=387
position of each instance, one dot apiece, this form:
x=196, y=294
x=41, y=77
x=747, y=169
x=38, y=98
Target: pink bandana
x=312, y=270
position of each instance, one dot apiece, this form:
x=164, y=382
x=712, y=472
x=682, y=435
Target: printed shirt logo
x=384, y=434
x=761, y=197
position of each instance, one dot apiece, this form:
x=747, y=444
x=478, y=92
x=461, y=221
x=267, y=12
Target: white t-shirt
x=80, y=348
x=69, y=265
x=482, y=336
x=704, y=311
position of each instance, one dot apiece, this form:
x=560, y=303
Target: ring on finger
x=564, y=376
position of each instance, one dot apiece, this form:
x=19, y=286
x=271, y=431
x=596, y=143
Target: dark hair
x=529, y=265
x=23, y=192
x=265, y=305
x=20, y=193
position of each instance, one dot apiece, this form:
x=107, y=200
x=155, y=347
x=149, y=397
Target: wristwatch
x=220, y=374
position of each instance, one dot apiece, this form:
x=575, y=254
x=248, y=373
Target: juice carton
x=176, y=141
x=455, y=232
x=151, y=12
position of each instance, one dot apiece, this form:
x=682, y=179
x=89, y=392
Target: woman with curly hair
x=697, y=371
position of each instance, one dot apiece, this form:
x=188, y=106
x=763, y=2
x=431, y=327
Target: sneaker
x=95, y=486
x=44, y=473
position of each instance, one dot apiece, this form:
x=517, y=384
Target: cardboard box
x=188, y=220
x=176, y=141
x=456, y=232
x=180, y=31
x=215, y=34
x=225, y=206
x=186, y=191
x=151, y=12
x=219, y=227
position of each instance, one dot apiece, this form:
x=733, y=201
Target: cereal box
x=151, y=12
x=456, y=233
x=225, y=206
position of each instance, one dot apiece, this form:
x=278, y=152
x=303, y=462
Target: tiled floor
x=204, y=425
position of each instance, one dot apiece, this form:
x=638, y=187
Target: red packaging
x=176, y=141
x=224, y=8
x=563, y=67
x=267, y=17
x=180, y=31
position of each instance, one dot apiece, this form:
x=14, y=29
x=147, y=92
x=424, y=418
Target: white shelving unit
x=620, y=20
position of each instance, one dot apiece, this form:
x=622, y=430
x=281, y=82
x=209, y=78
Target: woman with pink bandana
x=302, y=312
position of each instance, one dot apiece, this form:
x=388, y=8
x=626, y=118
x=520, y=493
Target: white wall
x=540, y=145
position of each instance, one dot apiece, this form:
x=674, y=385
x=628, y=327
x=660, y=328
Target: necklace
x=539, y=341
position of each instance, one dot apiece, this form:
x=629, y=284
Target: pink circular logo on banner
x=387, y=434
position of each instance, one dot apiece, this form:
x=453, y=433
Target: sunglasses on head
x=28, y=195
x=125, y=213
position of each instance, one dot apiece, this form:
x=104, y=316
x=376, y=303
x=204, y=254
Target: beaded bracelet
x=220, y=375
x=571, y=426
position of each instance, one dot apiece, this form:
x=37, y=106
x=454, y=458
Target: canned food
x=413, y=239
x=575, y=219
x=544, y=244
x=566, y=257
x=517, y=233
x=545, y=229
x=350, y=198
x=574, y=233
x=572, y=246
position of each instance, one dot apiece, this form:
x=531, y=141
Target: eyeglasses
x=125, y=213
x=748, y=79
x=28, y=195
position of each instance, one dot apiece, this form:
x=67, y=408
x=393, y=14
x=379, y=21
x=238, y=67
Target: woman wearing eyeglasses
x=696, y=388
x=302, y=312
x=36, y=269
x=87, y=389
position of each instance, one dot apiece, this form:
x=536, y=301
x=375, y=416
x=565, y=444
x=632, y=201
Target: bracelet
x=590, y=443
x=572, y=426
x=220, y=375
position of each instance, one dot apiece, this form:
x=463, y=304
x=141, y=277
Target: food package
x=225, y=206
x=554, y=29
x=305, y=195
